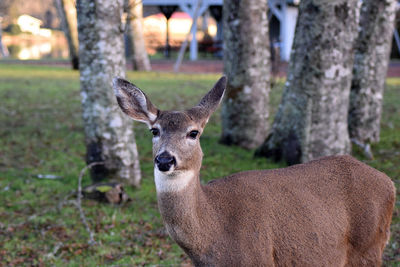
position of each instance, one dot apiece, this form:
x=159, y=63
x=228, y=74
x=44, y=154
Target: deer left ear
x=210, y=102
x=134, y=102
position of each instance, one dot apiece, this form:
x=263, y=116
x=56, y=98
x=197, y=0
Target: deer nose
x=164, y=161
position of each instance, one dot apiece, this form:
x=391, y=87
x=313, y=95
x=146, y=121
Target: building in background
x=29, y=24
x=155, y=31
x=32, y=25
x=285, y=11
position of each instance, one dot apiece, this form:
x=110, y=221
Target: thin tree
x=372, y=54
x=4, y=9
x=3, y=48
x=109, y=134
x=247, y=64
x=67, y=11
x=312, y=118
x=134, y=30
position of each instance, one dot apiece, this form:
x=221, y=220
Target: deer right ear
x=210, y=102
x=212, y=99
x=134, y=102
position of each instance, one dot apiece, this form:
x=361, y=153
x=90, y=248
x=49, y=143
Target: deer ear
x=212, y=99
x=210, y=102
x=134, y=102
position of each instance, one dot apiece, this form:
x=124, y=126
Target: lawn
x=41, y=132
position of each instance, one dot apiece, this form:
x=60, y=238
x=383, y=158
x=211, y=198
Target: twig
x=55, y=250
x=79, y=202
x=65, y=200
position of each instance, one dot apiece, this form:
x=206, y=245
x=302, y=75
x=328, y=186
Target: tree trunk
x=109, y=134
x=4, y=13
x=247, y=64
x=371, y=61
x=134, y=24
x=311, y=121
x=3, y=49
x=67, y=12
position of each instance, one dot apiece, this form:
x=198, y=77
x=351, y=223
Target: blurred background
x=32, y=30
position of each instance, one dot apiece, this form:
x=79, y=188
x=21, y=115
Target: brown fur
x=334, y=211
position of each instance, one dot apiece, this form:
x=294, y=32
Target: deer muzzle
x=165, y=161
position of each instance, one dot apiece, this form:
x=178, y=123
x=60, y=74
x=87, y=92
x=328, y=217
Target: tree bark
x=4, y=12
x=247, y=64
x=311, y=121
x=371, y=61
x=134, y=23
x=3, y=49
x=109, y=134
x=67, y=12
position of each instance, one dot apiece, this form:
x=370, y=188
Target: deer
x=332, y=211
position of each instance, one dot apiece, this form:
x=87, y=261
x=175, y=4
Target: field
x=41, y=132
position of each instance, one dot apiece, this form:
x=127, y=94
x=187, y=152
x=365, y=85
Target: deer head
x=176, y=147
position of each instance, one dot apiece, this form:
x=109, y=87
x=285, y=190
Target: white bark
x=311, y=121
x=3, y=49
x=372, y=56
x=245, y=108
x=140, y=58
x=109, y=134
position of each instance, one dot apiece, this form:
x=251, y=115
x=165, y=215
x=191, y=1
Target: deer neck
x=182, y=204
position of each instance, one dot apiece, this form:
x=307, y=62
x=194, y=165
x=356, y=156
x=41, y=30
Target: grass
x=41, y=132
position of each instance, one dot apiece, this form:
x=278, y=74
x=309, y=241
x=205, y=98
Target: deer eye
x=155, y=131
x=193, y=134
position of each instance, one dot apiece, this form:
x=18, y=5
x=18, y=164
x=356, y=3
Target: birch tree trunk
x=245, y=108
x=134, y=24
x=371, y=61
x=67, y=12
x=109, y=134
x=3, y=49
x=4, y=12
x=311, y=121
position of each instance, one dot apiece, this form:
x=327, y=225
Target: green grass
x=41, y=132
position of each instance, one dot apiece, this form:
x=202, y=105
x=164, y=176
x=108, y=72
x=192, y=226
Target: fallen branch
x=109, y=192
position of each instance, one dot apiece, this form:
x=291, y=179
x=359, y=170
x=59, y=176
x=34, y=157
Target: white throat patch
x=172, y=181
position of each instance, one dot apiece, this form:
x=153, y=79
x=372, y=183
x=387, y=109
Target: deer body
x=335, y=211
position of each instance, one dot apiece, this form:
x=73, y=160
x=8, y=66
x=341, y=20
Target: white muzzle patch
x=172, y=180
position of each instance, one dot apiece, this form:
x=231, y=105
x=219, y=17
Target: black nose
x=164, y=161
